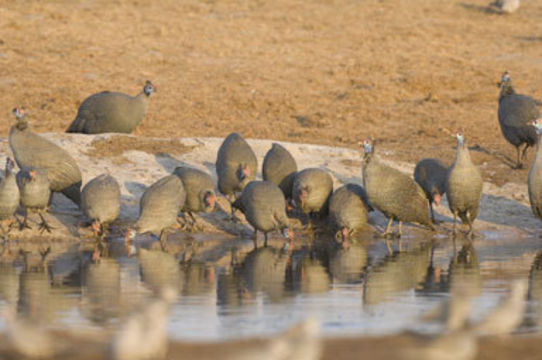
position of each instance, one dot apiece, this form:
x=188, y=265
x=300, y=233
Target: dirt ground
x=326, y=72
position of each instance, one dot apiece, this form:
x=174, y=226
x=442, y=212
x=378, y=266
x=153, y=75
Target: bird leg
x=400, y=230
x=454, y=231
x=265, y=239
x=163, y=240
x=186, y=225
x=44, y=226
x=388, y=228
x=519, y=165
x=255, y=239
x=524, y=152
x=233, y=218
x=195, y=225
x=24, y=224
x=388, y=246
x=470, y=232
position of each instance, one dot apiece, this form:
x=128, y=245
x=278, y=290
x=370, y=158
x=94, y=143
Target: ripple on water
x=367, y=289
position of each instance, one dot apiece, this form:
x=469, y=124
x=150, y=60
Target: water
x=364, y=290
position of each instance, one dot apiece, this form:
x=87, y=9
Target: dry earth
x=329, y=71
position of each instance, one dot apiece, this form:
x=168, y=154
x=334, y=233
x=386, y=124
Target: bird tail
x=73, y=192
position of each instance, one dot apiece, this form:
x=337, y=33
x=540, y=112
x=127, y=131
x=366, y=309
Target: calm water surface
x=363, y=290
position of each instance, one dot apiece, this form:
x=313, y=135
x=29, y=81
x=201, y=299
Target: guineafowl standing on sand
x=108, y=111
x=200, y=192
x=158, y=208
x=535, y=175
x=347, y=211
x=505, y=6
x=279, y=167
x=236, y=166
x=100, y=202
x=431, y=175
x=262, y=202
x=395, y=194
x=516, y=114
x=464, y=186
x=35, y=194
x=33, y=151
x=9, y=196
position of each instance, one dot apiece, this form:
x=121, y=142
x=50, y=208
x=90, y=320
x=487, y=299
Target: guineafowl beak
x=345, y=234
x=436, y=199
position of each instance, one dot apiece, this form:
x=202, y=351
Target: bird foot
x=23, y=225
x=44, y=226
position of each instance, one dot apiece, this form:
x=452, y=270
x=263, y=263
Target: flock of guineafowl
x=46, y=168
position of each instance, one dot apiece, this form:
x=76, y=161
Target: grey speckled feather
x=464, y=186
x=197, y=184
x=395, y=194
x=318, y=185
x=111, y=112
x=279, y=167
x=535, y=178
x=32, y=150
x=100, y=199
x=347, y=209
x=160, y=204
x=35, y=192
x=233, y=155
x=262, y=202
x=9, y=193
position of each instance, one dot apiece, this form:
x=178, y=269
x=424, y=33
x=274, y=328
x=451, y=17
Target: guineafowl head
x=302, y=197
x=505, y=84
x=9, y=165
x=368, y=148
x=538, y=126
x=243, y=172
x=208, y=200
x=18, y=112
x=149, y=88
x=27, y=176
x=460, y=138
x=20, y=118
